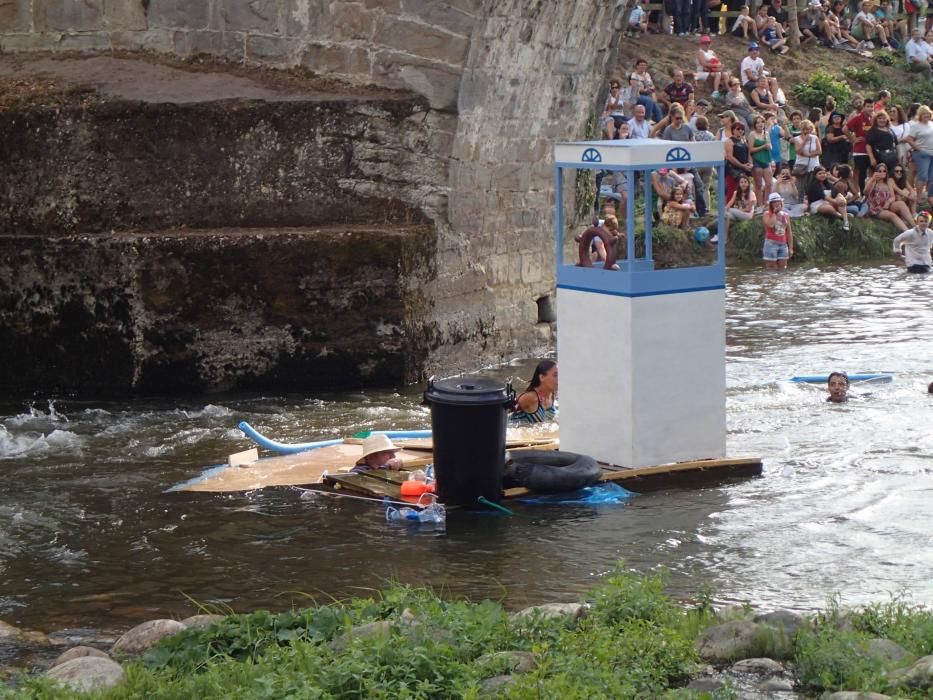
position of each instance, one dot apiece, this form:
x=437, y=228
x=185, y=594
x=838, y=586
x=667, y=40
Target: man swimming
x=838, y=386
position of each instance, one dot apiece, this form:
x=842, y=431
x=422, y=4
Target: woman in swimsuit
x=536, y=403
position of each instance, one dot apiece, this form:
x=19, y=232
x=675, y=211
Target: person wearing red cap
x=709, y=67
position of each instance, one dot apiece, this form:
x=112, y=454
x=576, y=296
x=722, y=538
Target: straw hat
x=377, y=443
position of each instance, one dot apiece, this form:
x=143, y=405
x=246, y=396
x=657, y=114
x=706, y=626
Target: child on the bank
x=678, y=209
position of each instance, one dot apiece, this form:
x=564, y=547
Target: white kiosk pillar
x=641, y=350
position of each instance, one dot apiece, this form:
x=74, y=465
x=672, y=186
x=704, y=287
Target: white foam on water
x=19, y=445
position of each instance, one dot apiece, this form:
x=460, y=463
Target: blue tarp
x=600, y=494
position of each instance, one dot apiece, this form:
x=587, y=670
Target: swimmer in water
x=838, y=386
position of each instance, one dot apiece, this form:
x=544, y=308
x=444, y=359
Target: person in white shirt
x=751, y=68
x=866, y=27
x=914, y=244
x=918, y=55
x=638, y=126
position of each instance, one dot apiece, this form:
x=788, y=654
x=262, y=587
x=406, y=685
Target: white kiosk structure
x=641, y=350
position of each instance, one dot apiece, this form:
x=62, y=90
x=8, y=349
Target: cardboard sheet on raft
x=298, y=469
x=305, y=468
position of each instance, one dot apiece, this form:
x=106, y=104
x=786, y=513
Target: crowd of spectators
x=870, y=158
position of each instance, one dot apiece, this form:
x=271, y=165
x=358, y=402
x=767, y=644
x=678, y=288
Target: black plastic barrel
x=468, y=418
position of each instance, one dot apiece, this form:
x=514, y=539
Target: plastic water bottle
x=434, y=513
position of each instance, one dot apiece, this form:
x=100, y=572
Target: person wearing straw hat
x=378, y=453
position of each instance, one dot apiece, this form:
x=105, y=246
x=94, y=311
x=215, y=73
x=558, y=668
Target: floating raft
x=641, y=479
x=328, y=469
x=246, y=472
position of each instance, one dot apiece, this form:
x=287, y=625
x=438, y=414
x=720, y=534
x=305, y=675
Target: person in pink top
x=779, y=237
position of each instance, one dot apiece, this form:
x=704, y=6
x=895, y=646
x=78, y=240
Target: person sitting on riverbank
x=378, y=453
x=536, y=403
x=914, y=244
x=838, y=386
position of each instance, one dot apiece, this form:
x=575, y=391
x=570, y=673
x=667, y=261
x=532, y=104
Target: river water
x=90, y=542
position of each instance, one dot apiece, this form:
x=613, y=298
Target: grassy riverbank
x=632, y=642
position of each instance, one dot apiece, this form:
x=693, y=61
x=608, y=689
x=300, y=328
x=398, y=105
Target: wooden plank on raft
x=365, y=485
x=300, y=469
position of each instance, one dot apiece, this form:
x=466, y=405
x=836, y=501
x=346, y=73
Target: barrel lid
x=468, y=390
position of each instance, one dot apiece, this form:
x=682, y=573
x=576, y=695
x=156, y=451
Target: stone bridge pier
x=203, y=226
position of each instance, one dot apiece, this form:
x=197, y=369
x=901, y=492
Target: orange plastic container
x=416, y=488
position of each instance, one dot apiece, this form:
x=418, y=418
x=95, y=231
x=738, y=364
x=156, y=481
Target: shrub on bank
x=633, y=642
x=818, y=239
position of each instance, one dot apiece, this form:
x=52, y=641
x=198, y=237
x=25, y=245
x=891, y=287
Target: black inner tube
x=545, y=471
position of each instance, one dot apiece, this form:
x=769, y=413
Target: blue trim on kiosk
x=640, y=282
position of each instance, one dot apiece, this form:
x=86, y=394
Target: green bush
x=868, y=76
x=813, y=92
x=818, y=239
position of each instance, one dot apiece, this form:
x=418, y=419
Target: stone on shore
x=786, y=620
x=88, y=673
x=379, y=628
x=10, y=633
x=202, y=620
x=855, y=695
x=919, y=675
x=732, y=612
x=493, y=686
x=78, y=653
x=144, y=636
x=886, y=651
x=513, y=661
x=758, y=667
x=739, y=639
x=551, y=611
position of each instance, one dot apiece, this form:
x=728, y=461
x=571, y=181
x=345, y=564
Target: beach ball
x=701, y=235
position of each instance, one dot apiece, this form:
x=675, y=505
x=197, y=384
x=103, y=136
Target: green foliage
x=829, y=659
x=819, y=86
x=634, y=643
x=818, y=239
x=244, y=637
x=868, y=76
x=909, y=626
x=913, y=89
x=885, y=58
x=584, y=190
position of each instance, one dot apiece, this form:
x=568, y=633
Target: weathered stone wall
x=212, y=310
x=119, y=165
x=420, y=45
x=502, y=79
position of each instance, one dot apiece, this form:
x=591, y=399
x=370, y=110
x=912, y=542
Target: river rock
x=786, y=620
x=379, y=628
x=202, y=620
x=551, y=611
x=408, y=618
x=739, y=639
x=145, y=636
x=10, y=633
x=886, y=651
x=77, y=653
x=855, y=695
x=493, y=686
x=732, y=612
x=514, y=661
x=920, y=675
x=758, y=667
x=709, y=684
x=88, y=673
x=777, y=685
